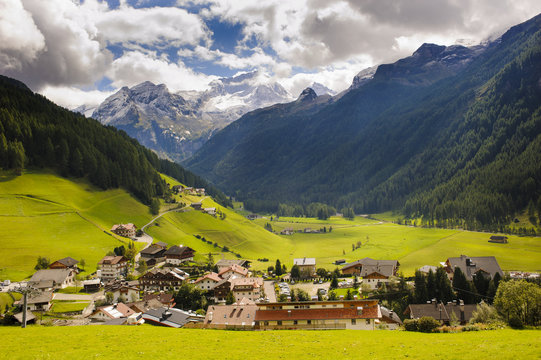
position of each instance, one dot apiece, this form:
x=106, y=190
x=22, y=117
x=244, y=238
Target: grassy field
x=68, y=306
x=43, y=214
x=6, y=299
x=154, y=342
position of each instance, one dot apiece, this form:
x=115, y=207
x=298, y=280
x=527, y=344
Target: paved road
x=269, y=290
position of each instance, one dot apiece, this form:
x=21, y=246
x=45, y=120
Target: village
x=168, y=288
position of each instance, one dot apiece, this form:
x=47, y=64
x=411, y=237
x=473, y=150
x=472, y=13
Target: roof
x=417, y=311
x=304, y=262
x=164, y=298
x=112, y=260
x=95, y=281
x=116, y=311
x=472, y=264
x=177, y=250
x=385, y=270
x=426, y=269
x=211, y=276
x=116, y=321
x=229, y=262
x=317, y=314
x=37, y=298
x=128, y=226
x=56, y=275
x=235, y=268
x=256, y=282
x=29, y=316
x=162, y=244
x=236, y=314
x=152, y=249
x=370, y=261
x=174, y=272
x=119, y=285
x=67, y=261
x=170, y=317
x=145, y=305
x=389, y=316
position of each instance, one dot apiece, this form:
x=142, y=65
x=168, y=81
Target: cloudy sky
x=77, y=52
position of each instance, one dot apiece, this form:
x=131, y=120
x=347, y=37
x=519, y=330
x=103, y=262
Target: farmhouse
x=287, y=231
x=225, y=263
x=125, y=230
x=163, y=279
x=473, y=265
x=171, y=317
x=178, y=254
x=442, y=312
x=122, y=291
x=115, y=311
x=154, y=251
x=196, y=205
x=240, y=315
x=37, y=302
x=425, y=269
x=210, y=211
x=252, y=216
x=52, y=279
x=91, y=285
x=321, y=315
x=164, y=298
x=113, y=267
x=356, y=267
x=65, y=263
x=498, y=239
x=307, y=266
x=234, y=270
x=389, y=319
x=249, y=288
x=375, y=275
x=207, y=281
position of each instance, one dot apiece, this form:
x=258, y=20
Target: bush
x=516, y=323
x=485, y=314
x=427, y=324
x=471, y=327
x=411, y=325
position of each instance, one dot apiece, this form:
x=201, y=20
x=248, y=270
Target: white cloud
x=152, y=26
x=20, y=38
x=71, y=97
x=135, y=67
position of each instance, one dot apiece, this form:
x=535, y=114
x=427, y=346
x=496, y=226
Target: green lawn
x=6, y=299
x=146, y=341
x=72, y=290
x=68, y=306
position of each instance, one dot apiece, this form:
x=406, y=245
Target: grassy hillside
x=155, y=342
x=47, y=215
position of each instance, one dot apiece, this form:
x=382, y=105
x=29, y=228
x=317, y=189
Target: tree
x=230, y=298
x=131, y=252
x=349, y=295
x=142, y=266
x=278, y=268
x=464, y=289
x=16, y=156
x=519, y=302
x=321, y=272
x=120, y=250
x=334, y=282
x=42, y=263
x=82, y=262
x=356, y=282
x=295, y=272
x=444, y=291
x=421, y=293
x=332, y=295
x=431, y=285
x=189, y=297
x=155, y=206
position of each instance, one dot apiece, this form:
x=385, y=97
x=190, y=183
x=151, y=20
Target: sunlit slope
x=43, y=214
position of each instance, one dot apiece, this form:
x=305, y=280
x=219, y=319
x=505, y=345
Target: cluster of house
x=373, y=272
x=174, y=255
x=188, y=190
x=126, y=230
x=232, y=276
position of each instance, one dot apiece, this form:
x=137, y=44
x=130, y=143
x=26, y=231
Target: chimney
x=289, y=313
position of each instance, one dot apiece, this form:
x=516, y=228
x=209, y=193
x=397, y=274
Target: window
x=279, y=322
x=266, y=323
x=353, y=321
x=295, y=322
x=367, y=321
x=308, y=322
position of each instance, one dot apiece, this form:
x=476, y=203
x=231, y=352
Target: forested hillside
x=35, y=132
x=458, y=147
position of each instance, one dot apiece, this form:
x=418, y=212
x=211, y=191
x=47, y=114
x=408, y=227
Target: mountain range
x=451, y=133
x=175, y=125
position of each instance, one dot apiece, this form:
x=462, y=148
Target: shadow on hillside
x=7, y=177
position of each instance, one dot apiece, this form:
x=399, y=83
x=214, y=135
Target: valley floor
x=125, y=342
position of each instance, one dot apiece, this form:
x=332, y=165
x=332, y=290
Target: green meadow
x=146, y=341
x=43, y=214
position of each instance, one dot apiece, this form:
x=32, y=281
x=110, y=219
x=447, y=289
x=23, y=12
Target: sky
x=80, y=52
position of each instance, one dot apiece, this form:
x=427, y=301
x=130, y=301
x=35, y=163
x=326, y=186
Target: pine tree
x=431, y=285
x=278, y=268
x=421, y=293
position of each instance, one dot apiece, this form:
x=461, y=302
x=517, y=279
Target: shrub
x=411, y=325
x=427, y=324
x=516, y=323
x=471, y=327
x=485, y=314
